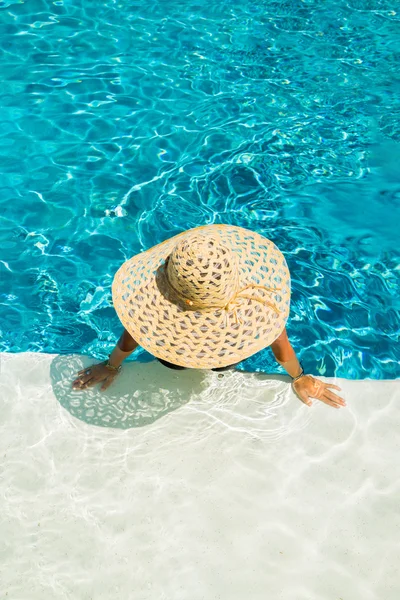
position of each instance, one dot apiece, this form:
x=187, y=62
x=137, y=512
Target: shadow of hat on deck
x=140, y=394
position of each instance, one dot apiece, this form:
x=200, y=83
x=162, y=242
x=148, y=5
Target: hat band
x=232, y=304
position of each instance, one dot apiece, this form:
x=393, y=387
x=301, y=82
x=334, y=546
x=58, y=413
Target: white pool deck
x=187, y=486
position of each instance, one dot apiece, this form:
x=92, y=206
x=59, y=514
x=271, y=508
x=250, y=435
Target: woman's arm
x=101, y=373
x=285, y=355
x=306, y=386
x=124, y=348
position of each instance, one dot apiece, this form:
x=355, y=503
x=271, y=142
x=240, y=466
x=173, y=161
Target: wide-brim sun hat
x=208, y=297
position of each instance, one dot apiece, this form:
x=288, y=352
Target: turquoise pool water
x=123, y=123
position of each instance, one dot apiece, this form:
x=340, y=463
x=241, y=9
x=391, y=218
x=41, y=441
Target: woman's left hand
x=308, y=387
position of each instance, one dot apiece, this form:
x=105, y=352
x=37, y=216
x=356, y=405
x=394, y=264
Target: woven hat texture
x=205, y=298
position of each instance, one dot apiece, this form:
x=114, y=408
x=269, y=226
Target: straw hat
x=208, y=297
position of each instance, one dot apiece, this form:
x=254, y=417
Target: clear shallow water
x=122, y=124
x=184, y=486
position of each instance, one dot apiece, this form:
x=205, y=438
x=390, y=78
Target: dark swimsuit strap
x=179, y=368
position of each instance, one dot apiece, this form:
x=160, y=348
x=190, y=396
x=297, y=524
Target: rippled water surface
x=125, y=123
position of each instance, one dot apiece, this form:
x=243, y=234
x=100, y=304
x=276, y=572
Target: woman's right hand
x=94, y=374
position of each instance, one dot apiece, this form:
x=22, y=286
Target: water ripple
x=121, y=126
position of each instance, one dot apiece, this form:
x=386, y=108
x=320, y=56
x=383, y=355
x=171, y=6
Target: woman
x=207, y=298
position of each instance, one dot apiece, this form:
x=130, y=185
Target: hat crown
x=203, y=272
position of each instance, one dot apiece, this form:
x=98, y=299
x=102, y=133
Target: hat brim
x=211, y=338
